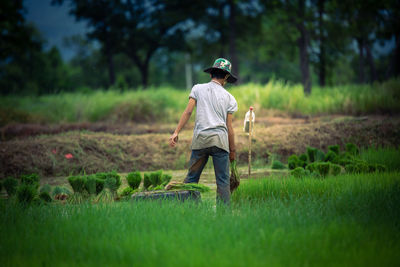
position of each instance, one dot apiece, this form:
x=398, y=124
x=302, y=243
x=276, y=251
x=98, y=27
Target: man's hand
x=173, y=140
x=232, y=156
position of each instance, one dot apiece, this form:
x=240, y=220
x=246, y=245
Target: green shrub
x=345, y=159
x=57, y=191
x=311, y=151
x=26, y=193
x=30, y=179
x=293, y=161
x=90, y=184
x=10, y=184
x=127, y=191
x=352, y=149
x=320, y=168
x=371, y=167
x=99, y=185
x=303, y=160
x=146, y=181
x=45, y=188
x=111, y=184
x=155, y=178
x=277, y=165
x=60, y=190
x=191, y=186
x=134, y=179
x=299, y=172
x=350, y=168
x=113, y=174
x=158, y=187
x=311, y=167
x=358, y=167
x=331, y=156
x=319, y=155
x=303, y=157
x=105, y=196
x=77, y=183
x=335, y=149
x=76, y=198
x=323, y=168
x=362, y=167
x=166, y=178
x=45, y=196
x=335, y=169
x=302, y=164
x=380, y=168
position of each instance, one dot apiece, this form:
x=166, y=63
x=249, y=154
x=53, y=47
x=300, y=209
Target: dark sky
x=54, y=23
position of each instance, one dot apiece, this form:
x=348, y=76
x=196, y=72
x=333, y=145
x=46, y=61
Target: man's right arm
x=231, y=137
x=184, y=118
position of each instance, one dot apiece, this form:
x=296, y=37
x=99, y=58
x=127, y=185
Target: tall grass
x=166, y=104
x=335, y=188
x=348, y=99
x=357, y=225
x=388, y=156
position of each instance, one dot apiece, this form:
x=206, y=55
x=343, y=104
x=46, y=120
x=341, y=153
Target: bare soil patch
x=21, y=130
x=96, y=151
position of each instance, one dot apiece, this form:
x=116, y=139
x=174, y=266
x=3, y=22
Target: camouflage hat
x=225, y=65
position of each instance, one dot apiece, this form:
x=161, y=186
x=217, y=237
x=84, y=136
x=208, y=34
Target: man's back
x=213, y=104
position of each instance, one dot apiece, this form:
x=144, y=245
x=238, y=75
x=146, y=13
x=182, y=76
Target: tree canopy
x=153, y=42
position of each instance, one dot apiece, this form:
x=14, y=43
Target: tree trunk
x=144, y=73
x=232, y=38
x=361, y=76
x=322, y=62
x=303, y=46
x=396, y=58
x=222, y=30
x=142, y=65
x=371, y=63
x=110, y=63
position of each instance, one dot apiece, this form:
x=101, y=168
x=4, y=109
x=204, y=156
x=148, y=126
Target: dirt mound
x=19, y=130
x=78, y=152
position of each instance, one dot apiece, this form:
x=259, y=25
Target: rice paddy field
x=274, y=220
x=351, y=220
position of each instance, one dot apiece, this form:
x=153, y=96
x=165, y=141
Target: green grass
x=388, y=156
x=348, y=220
x=166, y=104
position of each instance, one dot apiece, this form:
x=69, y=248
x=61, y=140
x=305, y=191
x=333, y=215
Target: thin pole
x=250, y=129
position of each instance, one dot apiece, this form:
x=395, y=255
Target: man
x=213, y=132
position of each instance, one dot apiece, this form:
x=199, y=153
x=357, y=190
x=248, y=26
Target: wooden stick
x=250, y=129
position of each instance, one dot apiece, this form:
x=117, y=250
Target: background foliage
x=133, y=44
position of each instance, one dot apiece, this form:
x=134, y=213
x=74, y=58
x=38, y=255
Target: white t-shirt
x=213, y=103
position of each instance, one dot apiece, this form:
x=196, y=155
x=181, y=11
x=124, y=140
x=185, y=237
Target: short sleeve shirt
x=213, y=103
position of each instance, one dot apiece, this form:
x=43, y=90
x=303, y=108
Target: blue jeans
x=220, y=157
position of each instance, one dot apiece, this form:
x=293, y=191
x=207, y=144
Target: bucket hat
x=225, y=65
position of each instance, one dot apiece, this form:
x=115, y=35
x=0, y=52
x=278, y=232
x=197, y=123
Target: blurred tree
x=226, y=29
x=362, y=18
x=328, y=39
x=297, y=14
x=24, y=67
x=89, y=67
x=136, y=28
x=105, y=19
x=389, y=30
